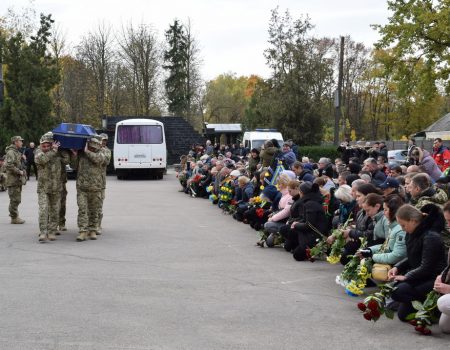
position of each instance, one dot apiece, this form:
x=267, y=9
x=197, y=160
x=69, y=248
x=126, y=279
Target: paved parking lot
x=172, y=272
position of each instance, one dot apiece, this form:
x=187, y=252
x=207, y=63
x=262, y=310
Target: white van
x=140, y=146
x=255, y=139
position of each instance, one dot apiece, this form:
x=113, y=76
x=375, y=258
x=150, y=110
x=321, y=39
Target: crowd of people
x=49, y=162
x=357, y=207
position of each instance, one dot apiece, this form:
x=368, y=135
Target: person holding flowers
x=416, y=274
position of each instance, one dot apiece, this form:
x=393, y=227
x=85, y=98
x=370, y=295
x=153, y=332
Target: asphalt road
x=173, y=272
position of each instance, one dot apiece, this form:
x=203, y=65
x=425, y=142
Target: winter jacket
x=247, y=192
x=383, y=152
x=394, y=248
x=266, y=155
x=306, y=175
x=296, y=209
x=442, y=157
x=289, y=158
x=430, y=166
x=425, y=252
x=252, y=163
x=345, y=210
x=364, y=226
x=313, y=214
x=381, y=227
x=273, y=195
x=13, y=166
x=284, y=206
x=432, y=195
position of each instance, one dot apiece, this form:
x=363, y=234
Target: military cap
x=104, y=136
x=46, y=138
x=16, y=138
x=95, y=142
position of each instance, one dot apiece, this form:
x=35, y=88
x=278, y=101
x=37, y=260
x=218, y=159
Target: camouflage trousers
x=15, y=197
x=100, y=210
x=62, y=207
x=88, y=207
x=48, y=212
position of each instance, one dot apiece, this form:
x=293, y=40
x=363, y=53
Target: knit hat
x=269, y=192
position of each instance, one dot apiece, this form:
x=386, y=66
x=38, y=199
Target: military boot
x=62, y=228
x=92, y=235
x=51, y=237
x=17, y=221
x=81, y=237
x=42, y=237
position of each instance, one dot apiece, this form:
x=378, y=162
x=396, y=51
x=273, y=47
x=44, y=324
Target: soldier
x=64, y=156
x=2, y=174
x=48, y=162
x=107, y=154
x=14, y=174
x=89, y=187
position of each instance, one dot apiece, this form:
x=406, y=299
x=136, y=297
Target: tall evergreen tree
x=175, y=58
x=30, y=75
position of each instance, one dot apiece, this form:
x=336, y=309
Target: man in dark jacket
x=302, y=173
x=378, y=177
x=29, y=154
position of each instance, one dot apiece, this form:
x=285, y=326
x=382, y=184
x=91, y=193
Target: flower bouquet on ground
x=338, y=245
x=426, y=313
x=375, y=304
x=319, y=251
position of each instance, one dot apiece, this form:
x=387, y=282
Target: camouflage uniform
x=107, y=153
x=14, y=166
x=3, y=177
x=89, y=189
x=433, y=195
x=64, y=156
x=49, y=189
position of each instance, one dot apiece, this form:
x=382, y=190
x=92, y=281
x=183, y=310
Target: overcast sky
x=232, y=34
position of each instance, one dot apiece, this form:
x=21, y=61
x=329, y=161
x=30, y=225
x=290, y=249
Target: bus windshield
x=139, y=134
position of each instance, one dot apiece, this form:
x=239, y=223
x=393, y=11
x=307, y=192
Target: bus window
x=139, y=134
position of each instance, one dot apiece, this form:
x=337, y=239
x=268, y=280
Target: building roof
x=223, y=128
x=443, y=124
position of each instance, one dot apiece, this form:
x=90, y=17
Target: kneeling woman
x=425, y=255
x=303, y=234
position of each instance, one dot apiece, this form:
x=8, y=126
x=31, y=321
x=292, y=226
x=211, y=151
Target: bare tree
x=140, y=52
x=97, y=53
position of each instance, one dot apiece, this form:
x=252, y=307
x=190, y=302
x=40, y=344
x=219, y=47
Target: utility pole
x=338, y=95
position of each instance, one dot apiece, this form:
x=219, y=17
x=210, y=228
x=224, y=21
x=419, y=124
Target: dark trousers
x=297, y=241
x=29, y=166
x=406, y=293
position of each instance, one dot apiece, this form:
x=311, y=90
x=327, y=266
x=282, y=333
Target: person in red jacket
x=441, y=154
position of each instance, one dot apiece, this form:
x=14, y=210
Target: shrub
x=317, y=152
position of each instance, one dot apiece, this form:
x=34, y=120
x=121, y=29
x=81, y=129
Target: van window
x=258, y=143
x=247, y=144
x=139, y=134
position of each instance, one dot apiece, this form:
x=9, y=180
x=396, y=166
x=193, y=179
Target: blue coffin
x=73, y=136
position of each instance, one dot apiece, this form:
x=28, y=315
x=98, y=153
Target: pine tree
x=30, y=75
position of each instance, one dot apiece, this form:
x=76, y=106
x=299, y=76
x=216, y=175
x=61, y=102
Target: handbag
x=380, y=272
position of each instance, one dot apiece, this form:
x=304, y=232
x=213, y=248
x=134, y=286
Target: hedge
x=317, y=152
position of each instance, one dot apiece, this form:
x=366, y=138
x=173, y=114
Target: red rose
x=362, y=306
x=233, y=202
x=372, y=305
x=368, y=316
x=419, y=329
x=413, y=323
x=376, y=314
x=260, y=212
x=426, y=331
x=308, y=253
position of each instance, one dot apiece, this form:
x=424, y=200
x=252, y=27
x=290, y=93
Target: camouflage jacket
x=49, y=169
x=13, y=166
x=432, y=195
x=2, y=175
x=107, y=152
x=89, y=170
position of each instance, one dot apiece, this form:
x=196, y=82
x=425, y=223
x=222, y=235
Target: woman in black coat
x=425, y=255
x=303, y=234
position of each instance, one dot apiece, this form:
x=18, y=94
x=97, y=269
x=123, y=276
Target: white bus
x=140, y=146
